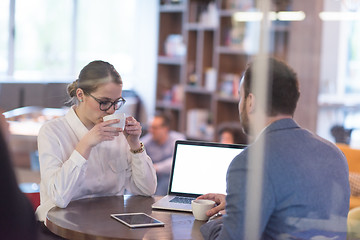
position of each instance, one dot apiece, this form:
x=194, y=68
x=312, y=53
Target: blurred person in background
x=160, y=143
x=231, y=133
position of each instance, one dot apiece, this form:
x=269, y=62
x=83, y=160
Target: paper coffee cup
x=200, y=207
x=120, y=116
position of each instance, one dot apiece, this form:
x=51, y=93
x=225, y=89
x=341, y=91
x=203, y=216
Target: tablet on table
x=135, y=220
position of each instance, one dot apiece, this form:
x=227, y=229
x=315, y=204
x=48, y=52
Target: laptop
x=197, y=168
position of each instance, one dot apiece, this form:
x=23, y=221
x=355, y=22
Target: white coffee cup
x=120, y=116
x=200, y=207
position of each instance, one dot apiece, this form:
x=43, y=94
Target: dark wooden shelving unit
x=207, y=47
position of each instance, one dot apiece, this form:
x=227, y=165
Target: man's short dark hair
x=283, y=87
x=165, y=116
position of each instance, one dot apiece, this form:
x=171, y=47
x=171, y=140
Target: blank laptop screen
x=201, y=169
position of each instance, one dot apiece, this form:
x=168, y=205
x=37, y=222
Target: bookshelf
x=199, y=86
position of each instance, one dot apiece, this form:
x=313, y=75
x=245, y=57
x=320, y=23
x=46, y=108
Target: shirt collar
x=74, y=121
x=282, y=124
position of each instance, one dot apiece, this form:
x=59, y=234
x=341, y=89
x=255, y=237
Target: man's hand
x=220, y=201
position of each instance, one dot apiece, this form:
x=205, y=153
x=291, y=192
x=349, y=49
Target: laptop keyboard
x=184, y=200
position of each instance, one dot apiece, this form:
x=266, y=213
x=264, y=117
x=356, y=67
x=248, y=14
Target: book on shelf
x=229, y=85
x=198, y=124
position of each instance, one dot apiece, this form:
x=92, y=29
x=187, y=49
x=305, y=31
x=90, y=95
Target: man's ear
x=250, y=103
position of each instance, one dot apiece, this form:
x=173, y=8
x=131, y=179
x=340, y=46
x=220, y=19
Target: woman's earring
x=80, y=100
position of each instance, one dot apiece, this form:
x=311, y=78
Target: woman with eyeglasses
x=82, y=156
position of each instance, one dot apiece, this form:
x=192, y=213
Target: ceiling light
x=273, y=16
x=339, y=16
x=291, y=16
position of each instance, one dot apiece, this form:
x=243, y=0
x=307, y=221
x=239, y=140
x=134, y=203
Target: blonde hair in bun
x=91, y=77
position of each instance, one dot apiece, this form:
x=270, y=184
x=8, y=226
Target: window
x=4, y=36
x=54, y=39
x=106, y=31
x=42, y=38
x=340, y=72
x=352, y=84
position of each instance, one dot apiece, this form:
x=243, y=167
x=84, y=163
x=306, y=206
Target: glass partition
x=320, y=41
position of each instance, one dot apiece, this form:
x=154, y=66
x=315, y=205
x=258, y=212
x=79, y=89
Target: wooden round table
x=90, y=219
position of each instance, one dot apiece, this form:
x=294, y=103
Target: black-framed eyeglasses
x=105, y=105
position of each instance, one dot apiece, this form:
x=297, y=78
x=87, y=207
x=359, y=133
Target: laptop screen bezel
x=198, y=143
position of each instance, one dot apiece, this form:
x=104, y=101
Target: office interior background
x=180, y=55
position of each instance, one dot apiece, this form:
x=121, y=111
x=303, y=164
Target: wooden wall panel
x=304, y=56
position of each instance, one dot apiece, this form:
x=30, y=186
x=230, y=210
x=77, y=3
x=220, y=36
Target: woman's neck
x=87, y=123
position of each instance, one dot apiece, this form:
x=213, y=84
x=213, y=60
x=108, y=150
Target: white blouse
x=66, y=175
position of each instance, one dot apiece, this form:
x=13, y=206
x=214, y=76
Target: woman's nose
x=110, y=110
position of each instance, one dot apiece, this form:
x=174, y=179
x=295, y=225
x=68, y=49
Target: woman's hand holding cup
x=102, y=131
